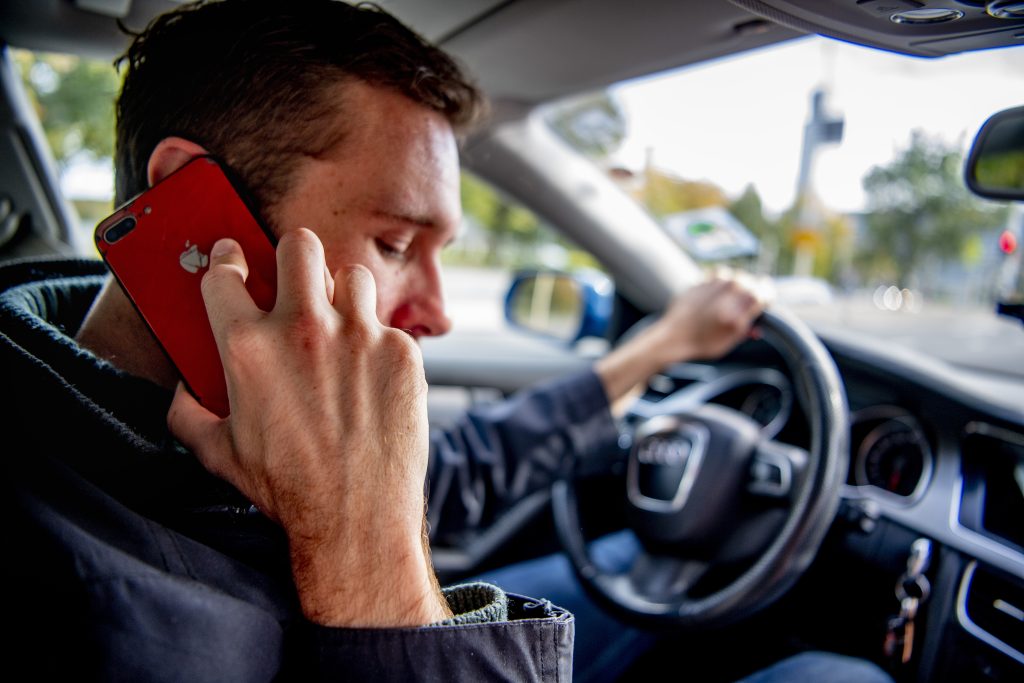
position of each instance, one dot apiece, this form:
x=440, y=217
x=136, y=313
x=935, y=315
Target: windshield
x=837, y=171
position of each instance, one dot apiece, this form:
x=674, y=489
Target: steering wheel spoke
x=663, y=577
x=776, y=469
x=652, y=584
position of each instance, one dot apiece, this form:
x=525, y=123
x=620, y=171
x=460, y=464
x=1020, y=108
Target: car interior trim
x=696, y=394
x=449, y=560
x=976, y=541
x=964, y=618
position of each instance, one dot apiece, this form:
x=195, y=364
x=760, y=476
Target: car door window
x=73, y=98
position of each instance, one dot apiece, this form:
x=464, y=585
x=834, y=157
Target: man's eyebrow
x=418, y=220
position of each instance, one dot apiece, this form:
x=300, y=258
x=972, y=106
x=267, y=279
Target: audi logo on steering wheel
x=667, y=450
x=665, y=463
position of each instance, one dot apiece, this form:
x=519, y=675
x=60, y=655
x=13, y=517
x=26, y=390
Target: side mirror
x=561, y=306
x=995, y=164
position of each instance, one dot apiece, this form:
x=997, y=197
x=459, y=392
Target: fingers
x=757, y=286
x=355, y=293
x=302, y=276
x=224, y=286
x=329, y=284
x=734, y=301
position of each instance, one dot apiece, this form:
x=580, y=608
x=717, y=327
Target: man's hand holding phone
x=327, y=433
x=157, y=247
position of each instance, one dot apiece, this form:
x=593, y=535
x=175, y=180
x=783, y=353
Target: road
x=975, y=338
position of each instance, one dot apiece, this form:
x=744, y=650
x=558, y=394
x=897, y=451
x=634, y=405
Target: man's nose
x=422, y=313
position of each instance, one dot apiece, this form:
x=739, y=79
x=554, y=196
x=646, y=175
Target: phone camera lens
x=119, y=229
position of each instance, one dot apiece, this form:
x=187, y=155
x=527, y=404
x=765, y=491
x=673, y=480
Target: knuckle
x=212, y=279
x=311, y=331
x=240, y=345
x=733, y=287
x=403, y=350
x=219, y=275
x=359, y=331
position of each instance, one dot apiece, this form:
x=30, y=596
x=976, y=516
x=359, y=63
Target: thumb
x=199, y=430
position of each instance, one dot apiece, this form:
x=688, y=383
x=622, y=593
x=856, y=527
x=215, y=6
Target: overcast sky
x=740, y=120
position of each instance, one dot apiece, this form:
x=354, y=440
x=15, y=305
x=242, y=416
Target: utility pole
x=821, y=129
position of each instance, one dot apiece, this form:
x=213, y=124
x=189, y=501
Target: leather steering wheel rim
x=814, y=504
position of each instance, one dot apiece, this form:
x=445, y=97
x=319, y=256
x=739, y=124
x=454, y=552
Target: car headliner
x=521, y=50
x=529, y=51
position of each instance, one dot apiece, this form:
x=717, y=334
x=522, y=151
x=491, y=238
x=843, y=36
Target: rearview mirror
x=561, y=306
x=995, y=165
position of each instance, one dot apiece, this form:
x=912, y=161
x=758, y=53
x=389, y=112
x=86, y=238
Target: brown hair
x=250, y=80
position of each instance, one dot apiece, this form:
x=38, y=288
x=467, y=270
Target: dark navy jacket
x=126, y=560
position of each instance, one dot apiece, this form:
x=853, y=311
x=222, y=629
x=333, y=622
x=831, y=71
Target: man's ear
x=168, y=156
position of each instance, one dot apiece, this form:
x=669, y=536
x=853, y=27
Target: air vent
x=992, y=501
x=990, y=607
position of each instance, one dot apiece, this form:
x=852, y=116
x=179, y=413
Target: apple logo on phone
x=192, y=259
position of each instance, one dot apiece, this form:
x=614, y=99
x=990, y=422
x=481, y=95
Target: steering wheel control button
x=773, y=468
x=769, y=477
x=664, y=464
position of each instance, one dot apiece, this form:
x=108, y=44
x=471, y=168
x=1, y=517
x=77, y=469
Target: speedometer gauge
x=894, y=457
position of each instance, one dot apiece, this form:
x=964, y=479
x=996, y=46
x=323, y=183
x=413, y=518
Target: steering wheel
x=706, y=490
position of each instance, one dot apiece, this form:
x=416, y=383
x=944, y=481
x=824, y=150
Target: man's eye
x=391, y=250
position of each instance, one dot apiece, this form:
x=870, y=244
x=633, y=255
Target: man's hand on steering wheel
x=704, y=322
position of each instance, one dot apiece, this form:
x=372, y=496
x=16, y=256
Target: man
x=135, y=563
x=285, y=540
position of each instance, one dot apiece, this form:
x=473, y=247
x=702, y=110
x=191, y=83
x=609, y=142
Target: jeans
x=606, y=647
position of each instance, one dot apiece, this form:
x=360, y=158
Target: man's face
x=386, y=197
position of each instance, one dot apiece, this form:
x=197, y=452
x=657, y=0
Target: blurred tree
x=74, y=99
x=514, y=236
x=775, y=249
x=593, y=124
x=664, y=194
x=834, y=261
x=919, y=210
x=747, y=209
x=508, y=226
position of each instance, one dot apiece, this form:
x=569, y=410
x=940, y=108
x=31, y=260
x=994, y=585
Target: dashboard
x=935, y=453
x=940, y=452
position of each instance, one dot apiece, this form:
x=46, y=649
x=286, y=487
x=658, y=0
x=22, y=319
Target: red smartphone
x=157, y=246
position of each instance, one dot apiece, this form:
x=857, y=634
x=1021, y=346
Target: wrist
x=666, y=344
x=367, y=582
x=634, y=362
